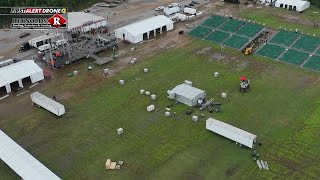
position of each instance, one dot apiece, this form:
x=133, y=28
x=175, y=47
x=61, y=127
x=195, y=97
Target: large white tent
x=23, y=163
x=186, y=94
x=84, y=21
x=16, y=72
x=144, y=29
x=296, y=5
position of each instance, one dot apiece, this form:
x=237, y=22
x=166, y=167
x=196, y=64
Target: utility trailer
x=47, y=103
x=191, y=11
x=238, y=135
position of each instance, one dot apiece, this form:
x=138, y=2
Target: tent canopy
x=146, y=25
x=17, y=71
x=187, y=91
x=23, y=163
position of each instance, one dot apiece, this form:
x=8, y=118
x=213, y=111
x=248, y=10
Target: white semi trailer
x=47, y=103
x=238, y=135
x=172, y=10
x=191, y=11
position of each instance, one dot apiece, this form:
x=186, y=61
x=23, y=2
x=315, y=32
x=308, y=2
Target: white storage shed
x=186, y=94
x=145, y=29
x=295, y=5
x=238, y=135
x=18, y=73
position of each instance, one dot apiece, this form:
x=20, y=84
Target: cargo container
x=238, y=135
x=47, y=103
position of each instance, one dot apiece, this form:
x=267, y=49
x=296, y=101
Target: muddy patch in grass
x=203, y=51
x=232, y=170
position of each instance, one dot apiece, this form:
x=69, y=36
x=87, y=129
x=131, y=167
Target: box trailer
x=189, y=11
x=172, y=10
x=238, y=135
x=47, y=103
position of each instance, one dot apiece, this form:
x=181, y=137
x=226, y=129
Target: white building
x=295, y=5
x=145, y=29
x=238, y=135
x=45, y=39
x=19, y=73
x=84, y=22
x=23, y=163
x=186, y=94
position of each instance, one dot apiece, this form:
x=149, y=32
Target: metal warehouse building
x=15, y=74
x=186, y=94
x=144, y=29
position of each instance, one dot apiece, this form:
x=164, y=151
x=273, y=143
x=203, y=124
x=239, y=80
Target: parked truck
x=170, y=11
x=47, y=103
x=191, y=11
x=24, y=47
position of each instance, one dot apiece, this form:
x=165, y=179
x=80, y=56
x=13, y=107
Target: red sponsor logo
x=57, y=20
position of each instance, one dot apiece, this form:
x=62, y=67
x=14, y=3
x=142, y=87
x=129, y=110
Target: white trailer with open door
x=48, y=103
x=238, y=135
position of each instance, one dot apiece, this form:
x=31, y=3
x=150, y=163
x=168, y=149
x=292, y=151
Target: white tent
x=16, y=72
x=144, y=29
x=231, y=132
x=84, y=21
x=296, y=5
x=23, y=163
x=186, y=94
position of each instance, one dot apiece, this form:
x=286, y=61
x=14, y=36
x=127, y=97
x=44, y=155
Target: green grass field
x=284, y=38
x=271, y=51
x=313, y=63
x=294, y=57
x=307, y=43
x=282, y=108
x=217, y=36
x=274, y=18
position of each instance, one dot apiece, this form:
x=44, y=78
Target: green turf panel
x=214, y=21
x=200, y=32
x=217, y=36
x=318, y=52
x=307, y=43
x=236, y=41
x=284, y=38
x=294, y=57
x=271, y=51
x=250, y=30
x=231, y=25
x=313, y=63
